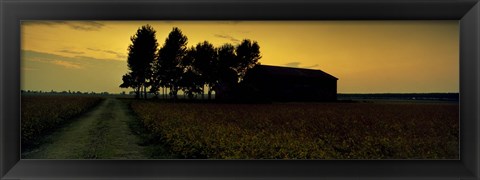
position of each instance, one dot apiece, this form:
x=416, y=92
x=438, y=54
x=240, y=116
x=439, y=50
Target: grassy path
x=102, y=133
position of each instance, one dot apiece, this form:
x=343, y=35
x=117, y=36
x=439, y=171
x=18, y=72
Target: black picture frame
x=12, y=12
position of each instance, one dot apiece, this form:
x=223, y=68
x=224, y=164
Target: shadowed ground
x=102, y=133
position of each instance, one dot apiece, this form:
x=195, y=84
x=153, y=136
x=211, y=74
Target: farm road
x=102, y=133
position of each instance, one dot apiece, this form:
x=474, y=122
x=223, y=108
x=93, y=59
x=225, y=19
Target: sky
x=366, y=56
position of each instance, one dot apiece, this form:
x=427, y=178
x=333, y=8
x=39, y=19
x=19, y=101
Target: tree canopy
x=141, y=54
x=170, y=57
x=248, y=54
x=175, y=67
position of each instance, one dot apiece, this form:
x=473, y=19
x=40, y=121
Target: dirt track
x=102, y=133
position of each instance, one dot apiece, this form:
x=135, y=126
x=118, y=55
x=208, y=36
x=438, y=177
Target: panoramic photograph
x=306, y=90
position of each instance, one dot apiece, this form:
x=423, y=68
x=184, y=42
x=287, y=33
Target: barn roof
x=292, y=72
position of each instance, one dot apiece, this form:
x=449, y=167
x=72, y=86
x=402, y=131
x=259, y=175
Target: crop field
x=304, y=130
x=41, y=115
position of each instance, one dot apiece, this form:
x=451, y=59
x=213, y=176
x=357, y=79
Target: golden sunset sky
x=366, y=56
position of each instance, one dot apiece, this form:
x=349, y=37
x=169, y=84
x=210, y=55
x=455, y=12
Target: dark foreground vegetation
x=303, y=130
x=41, y=115
x=199, y=130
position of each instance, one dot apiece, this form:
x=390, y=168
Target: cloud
x=119, y=55
x=297, y=65
x=67, y=64
x=293, y=64
x=312, y=66
x=87, y=26
x=38, y=59
x=47, y=58
x=71, y=52
x=89, y=58
x=80, y=62
x=55, y=61
x=228, y=37
x=28, y=69
x=43, y=61
x=76, y=25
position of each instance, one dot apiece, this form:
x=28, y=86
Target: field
x=304, y=130
x=41, y=115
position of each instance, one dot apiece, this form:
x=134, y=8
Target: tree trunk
x=137, y=92
x=145, y=91
x=209, y=93
x=171, y=92
x=203, y=92
x=175, y=90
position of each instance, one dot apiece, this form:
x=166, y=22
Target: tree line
x=175, y=67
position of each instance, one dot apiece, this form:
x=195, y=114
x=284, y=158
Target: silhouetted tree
x=169, y=60
x=226, y=77
x=191, y=82
x=205, y=60
x=248, y=54
x=130, y=82
x=158, y=79
x=141, y=54
x=155, y=79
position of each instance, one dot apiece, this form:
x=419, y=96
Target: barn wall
x=295, y=89
x=260, y=86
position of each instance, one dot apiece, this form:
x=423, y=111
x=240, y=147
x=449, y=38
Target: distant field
x=41, y=115
x=414, y=97
x=304, y=130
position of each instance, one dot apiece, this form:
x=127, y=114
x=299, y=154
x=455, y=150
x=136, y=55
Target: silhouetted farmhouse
x=275, y=83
